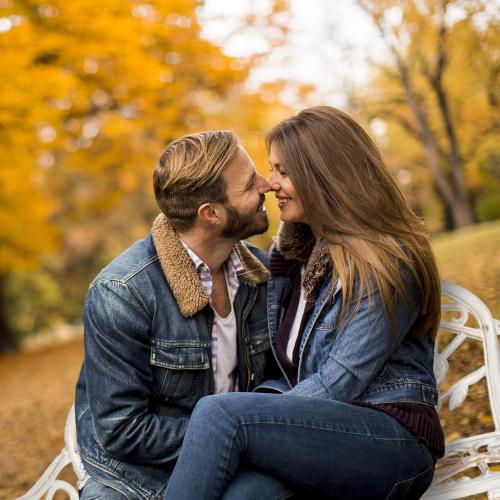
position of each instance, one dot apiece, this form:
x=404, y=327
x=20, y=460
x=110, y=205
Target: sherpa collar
x=181, y=273
x=296, y=241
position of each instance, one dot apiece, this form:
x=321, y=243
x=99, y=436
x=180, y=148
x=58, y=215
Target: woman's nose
x=274, y=184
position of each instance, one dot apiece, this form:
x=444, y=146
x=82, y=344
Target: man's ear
x=210, y=213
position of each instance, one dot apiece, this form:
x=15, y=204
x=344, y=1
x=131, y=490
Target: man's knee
x=210, y=406
x=97, y=491
x=218, y=409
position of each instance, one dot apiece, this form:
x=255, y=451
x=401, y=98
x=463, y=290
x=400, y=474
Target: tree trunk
x=452, y=192
x=448, y=223
x=449, y=183
x=461, y=208
x=7, y=338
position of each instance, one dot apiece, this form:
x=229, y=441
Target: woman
x=353, y=307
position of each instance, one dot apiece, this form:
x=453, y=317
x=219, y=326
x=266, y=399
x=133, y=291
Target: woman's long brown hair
x=352, y=202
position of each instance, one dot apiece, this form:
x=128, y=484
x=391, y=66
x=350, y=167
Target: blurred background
x=91, y=92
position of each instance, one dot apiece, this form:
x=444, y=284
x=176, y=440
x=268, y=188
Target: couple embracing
x=213, y=370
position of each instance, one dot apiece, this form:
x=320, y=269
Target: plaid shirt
x=231, y=267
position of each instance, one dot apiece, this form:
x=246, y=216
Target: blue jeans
x=319, y=447
x=246, y=484
x=94, y=491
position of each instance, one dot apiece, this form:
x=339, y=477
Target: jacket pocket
x=181, y=355
x=259, y=349
x=182, y=370
x=259, y=342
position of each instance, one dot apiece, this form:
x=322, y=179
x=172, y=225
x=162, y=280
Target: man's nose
x=273, y=183
x=264, y=186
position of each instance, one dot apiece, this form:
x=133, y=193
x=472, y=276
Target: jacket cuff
x=278, y=386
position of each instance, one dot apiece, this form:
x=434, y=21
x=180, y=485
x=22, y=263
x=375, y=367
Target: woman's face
x=288, y=200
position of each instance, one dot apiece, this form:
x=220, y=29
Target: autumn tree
x=89, y=95
x=441, y=90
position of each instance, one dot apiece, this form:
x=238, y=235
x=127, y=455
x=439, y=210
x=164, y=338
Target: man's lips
x=261, y=207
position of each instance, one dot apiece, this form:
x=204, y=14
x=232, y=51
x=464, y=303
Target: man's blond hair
x=189, y=173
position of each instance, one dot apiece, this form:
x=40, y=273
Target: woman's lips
x=282, y=201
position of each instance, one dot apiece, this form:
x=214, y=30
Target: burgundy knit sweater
x=420, y=419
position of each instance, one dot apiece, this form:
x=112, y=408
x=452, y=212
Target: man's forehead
x=241, y=167
x=242, y=154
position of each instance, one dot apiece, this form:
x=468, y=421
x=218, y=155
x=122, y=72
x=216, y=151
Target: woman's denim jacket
x=148, y=358
x=363, y=359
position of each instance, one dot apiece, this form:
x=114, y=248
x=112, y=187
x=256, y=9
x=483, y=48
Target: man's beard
x=241, y=225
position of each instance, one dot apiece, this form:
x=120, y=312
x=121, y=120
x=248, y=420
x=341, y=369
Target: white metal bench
x=48, y=484
x=464, y=317
x=471, y=465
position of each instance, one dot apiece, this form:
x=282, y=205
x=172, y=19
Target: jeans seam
x=409, y=440
x=416, y=476
x=286, y=495
x=108, y=485
x=222, y=480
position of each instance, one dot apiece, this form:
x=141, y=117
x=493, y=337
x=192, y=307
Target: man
x=177, y=316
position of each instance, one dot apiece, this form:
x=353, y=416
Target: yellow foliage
x=90, y=93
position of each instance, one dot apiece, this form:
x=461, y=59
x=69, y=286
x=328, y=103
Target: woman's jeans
x=319, y=447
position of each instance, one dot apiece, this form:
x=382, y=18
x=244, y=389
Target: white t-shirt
x=227, y=359
x=294, y=331
x=224, y=332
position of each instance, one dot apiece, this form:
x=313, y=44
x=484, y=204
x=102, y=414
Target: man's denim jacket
x=148, y=358
x=363, y=359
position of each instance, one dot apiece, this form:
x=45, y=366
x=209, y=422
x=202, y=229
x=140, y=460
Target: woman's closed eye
x=278, y=170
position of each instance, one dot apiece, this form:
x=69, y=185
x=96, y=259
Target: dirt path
x=36, y=392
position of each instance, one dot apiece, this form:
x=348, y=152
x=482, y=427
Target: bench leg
x=48, y=482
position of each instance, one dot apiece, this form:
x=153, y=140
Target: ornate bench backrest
x=467, y=317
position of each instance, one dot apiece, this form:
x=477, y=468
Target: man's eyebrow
x=250, y=181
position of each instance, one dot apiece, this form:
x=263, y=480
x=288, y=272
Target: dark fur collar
x=296, y=241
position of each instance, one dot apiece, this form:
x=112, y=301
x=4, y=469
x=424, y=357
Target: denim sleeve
x=360, y=349
x=119, y=378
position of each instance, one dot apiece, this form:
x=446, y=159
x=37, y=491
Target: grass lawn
x=471, y=258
